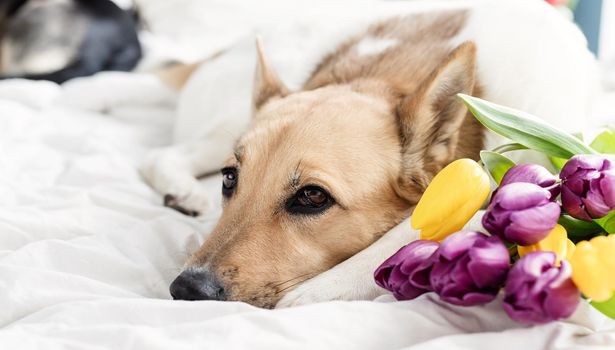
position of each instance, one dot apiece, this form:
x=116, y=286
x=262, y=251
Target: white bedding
x=87, y=251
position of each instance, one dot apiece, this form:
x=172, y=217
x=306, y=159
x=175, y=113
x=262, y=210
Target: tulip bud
x=593, y=264
x=521, y=213
x=588, y=187
x=469, y=268
x=454, y=195
x=535, y=174
x=405, y=273
x=557, y=242
x=537, y=291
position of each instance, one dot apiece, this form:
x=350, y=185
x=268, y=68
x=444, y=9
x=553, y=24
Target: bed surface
x=87, y=251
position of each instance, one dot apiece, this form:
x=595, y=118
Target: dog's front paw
x=327, y=288
x=305, y=294
x=192, y=204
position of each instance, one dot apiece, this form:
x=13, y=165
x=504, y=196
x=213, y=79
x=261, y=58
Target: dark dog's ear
x=431, y=118
x=266, y=81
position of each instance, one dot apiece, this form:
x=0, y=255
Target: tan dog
x=322, y=173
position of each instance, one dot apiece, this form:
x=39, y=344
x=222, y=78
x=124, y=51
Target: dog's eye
x=312, y=196
x=309, y=200
x=229, y=181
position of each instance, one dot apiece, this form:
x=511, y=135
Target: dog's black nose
x=196, y=285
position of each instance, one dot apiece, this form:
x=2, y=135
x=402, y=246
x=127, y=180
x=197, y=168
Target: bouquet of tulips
x=546, y=237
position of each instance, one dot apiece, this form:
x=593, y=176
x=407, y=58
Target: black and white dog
x=59, y=40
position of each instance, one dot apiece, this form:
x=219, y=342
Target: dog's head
x=321, y=175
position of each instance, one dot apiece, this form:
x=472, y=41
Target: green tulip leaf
x=579, y=230
x=509, y=147
x=525, y=129
x=606, y=307
x=605, y=142
x=558, y=162
x=496, y=164
x=607, y=222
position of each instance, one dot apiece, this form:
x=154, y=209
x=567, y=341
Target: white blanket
x=87, y=251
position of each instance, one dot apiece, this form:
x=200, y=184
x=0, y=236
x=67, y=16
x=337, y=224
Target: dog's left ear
x=266, y=81
x=431, y=118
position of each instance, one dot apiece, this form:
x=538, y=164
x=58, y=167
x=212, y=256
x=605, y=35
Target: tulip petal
x=582, y=162
x=397, y=278
x=607, y=187
x=439, y=278
x=460, y=275
x=543, y=280
x=465, y=184
x=495, y=219
x=523, y=290
x=383, y=273
x=555, y=190
x=530, y=226
x=407, y=291
x=459, y=243
x=489, y=262
x=534, y=264
x=594, y=202
x=579, y=184
x=589, y=274
x=418, y=252
x=564, y=296
x=573, y=205
x=604, y=246
x=518, y=196
x=420, y=276
x=532, y=173
x=470, y=299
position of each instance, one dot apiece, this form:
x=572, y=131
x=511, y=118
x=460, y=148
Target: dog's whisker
x=291, y=286
x=289, y=280
x=295, y=284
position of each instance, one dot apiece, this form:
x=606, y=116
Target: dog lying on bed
x=326, y=172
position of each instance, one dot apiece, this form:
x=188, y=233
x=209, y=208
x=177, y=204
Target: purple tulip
x=537, y=291
x=521, y=213
x=406, y=273
x=588, y=187
x=534, y=174
x=469, y=268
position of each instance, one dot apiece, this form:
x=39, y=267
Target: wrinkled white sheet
x=87, y=251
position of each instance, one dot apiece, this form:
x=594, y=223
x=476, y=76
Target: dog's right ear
x=266, y=82
x=430, y=120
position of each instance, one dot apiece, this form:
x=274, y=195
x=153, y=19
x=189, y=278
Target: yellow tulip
x=557, y=241
x=454, y=195
x=593, y=266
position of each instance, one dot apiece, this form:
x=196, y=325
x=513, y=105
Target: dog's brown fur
x=371, y=130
